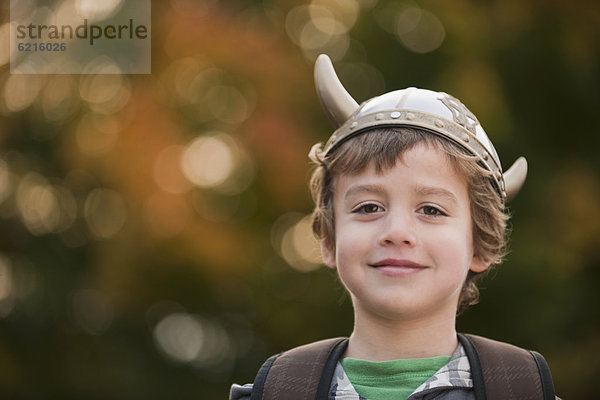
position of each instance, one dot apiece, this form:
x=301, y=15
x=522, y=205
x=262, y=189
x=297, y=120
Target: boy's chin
x=405, y=310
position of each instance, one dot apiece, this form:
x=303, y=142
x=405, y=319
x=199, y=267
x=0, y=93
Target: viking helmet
x=435, y=112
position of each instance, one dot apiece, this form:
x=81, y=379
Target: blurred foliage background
x=154, y=240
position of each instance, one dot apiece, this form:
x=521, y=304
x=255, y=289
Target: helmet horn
x=335, y=99
x=514, y=178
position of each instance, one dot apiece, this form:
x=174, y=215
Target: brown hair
x=383, y=147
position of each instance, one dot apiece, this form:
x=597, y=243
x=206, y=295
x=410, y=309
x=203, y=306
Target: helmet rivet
x=354, y=125
x=439, y=123
x=379, y=116
x=485, y=156
x=466, y=138
x=409, y=116
x=395, y=115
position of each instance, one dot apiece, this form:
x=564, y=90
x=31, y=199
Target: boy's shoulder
x=307, y=371
x=502, y=366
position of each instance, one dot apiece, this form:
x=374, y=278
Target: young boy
x=410, y=210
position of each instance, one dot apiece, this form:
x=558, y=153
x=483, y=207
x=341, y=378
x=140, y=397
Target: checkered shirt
x=454, y=375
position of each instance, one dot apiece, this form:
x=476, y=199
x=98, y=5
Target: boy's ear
x=328, y=255
x=477, y=265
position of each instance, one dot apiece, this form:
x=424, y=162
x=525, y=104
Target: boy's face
x=404, y=238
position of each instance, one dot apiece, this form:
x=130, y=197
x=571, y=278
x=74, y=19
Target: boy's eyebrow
x=363, y=189
x=436, y=191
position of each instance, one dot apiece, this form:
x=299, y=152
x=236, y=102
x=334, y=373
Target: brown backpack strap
x=508, y=372
x=303, y=373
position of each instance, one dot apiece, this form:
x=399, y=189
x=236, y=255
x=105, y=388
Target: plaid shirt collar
x=456, y=374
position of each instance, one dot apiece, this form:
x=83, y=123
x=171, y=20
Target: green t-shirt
x=395, y=379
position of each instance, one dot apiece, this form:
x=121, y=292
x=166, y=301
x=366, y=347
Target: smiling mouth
x=392, y=262
x=395, y=267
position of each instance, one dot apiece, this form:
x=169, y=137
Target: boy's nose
x=398, y=230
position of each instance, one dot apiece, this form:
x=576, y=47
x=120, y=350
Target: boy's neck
x=379, y=339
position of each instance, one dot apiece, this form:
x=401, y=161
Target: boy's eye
x=367, y=208
x=431, y=210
